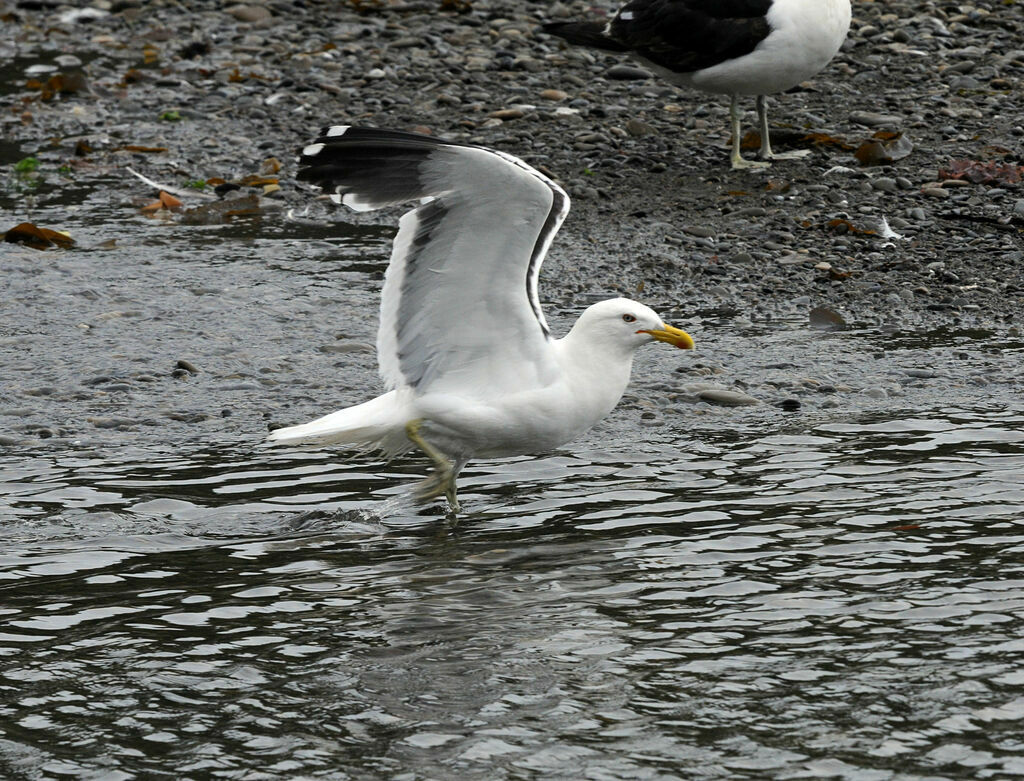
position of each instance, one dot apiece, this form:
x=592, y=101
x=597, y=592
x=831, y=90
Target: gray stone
x=727, y=398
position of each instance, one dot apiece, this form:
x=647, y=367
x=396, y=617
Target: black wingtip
x=584, y=34
x=374, y=166
x=352, y=143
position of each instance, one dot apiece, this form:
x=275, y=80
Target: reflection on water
x=842, y=600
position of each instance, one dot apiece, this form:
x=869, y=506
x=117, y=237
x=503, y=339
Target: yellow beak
x=674, y=336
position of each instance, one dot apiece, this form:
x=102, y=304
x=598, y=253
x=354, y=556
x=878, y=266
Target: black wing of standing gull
x=459, y=307
x=679, y=35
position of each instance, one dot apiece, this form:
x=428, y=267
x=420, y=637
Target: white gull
x=471, y=368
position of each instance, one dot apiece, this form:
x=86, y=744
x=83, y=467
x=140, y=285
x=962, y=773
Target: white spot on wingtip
x=337, y=130
x=352, y=201
x=312, y=150
x=626, y=16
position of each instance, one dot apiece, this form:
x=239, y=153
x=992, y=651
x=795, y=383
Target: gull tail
x=378, y=423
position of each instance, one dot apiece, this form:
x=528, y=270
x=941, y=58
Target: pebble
x=727, y=398
x=111, y=422
x=935, y=191
x=700, y=230
x=553, y=95
x=876, y=393
x=249, y=13
x=638, y=129
x=507, y=114
x=627, y=73
x=826, y=319
x=874, y=119
x=750, y=211
x=347, y=347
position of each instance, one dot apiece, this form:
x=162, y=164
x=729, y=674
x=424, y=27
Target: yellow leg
x=766, y=139
x=738, y=163
x=443, y=479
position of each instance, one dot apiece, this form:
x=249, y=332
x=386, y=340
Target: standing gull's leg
x=738, y=163
x=766, y=140
x=443, y=479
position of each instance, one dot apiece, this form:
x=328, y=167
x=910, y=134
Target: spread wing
x=459, y=306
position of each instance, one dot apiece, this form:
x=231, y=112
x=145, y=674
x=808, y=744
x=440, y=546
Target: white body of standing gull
x=730, y=47
x=471, y=367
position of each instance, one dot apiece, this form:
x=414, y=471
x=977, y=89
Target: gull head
x=629, y=325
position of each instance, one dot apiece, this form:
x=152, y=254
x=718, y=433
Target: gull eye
x=628, y=319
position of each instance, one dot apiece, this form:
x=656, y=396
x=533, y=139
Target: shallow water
x=840, y=601
x=687, y=592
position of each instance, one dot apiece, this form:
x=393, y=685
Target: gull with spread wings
x=470, y=365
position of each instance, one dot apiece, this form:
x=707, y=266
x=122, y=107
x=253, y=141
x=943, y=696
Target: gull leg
x=738, y=163
x=443, y=479
x=766, y=139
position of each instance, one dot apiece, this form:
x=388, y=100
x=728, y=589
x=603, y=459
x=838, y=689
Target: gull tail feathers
x=375, y=424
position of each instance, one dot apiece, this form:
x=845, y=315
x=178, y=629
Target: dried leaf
x=983, y=172
x=825, y=140
x=169, y=201
x=845, y=226
x=133, y=76
x=165, y=202
x=884, y=148
x=270, y=166
x=37, y=238
x=145, y=149
x=257, y=181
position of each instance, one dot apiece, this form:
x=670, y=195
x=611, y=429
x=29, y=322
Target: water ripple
x=845, y=601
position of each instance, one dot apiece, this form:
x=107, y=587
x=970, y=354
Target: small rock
x=874, y=119
x=554, y=94
x=638, y=129
x=187, y=366
x=507, y=113
x=790, y=405
x=627, y=73
x=826, y=319
x=700, y=230
x=726, y=398
x=249, y=13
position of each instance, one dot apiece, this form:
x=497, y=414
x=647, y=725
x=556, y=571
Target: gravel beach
x=188, y=92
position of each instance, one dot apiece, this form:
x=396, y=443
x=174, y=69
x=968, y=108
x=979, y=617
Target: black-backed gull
x=732, y=47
